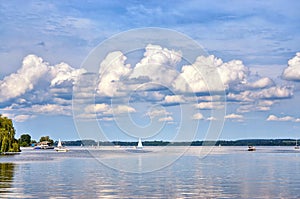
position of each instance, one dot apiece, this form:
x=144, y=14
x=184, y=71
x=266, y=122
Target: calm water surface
x=227, y=172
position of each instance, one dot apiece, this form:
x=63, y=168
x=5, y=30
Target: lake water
x=225, y=172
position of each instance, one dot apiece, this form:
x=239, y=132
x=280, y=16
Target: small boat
x=43, y=145
x=60, y=147
x=297, y=146
x=251, y=148
x=138, y=149
x=140, y=145
x=37, y=147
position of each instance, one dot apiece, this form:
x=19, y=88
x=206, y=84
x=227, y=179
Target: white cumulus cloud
x=211, y=119
x=292, y=71
x=37, y=75
x=233, y=72
x=97, y=108
x=157, y=113
x=198, y=116
x=281, y=119
x=16, y=84
x=119, y=109
x=166, y=119
x=245, y=96
x=112, y=69
x=157, y=65
x=234, y=116
x=275, y=92
x=261, y=83
x=209, y=105
x=174, y=99
x=210, y=74
x=19, y=117
x=52, y=109
x=261, y=105
x=22, y=118
x=64, y=73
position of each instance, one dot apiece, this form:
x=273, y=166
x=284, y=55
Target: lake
x=110, y=172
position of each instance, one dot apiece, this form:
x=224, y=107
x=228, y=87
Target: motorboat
x=251, y=148
x=43, y=145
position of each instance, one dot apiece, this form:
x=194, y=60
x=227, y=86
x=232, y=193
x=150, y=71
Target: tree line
x=25, y=140
x=244, y=142
x=8, y=142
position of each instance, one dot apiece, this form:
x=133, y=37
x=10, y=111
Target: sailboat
x=297, y=146
x=140, y=145
x=60, y=147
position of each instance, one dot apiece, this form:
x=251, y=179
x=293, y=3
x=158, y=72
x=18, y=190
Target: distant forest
x=246, y=142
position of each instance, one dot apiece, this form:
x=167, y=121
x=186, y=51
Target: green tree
x=25, y=140
x=5, y=144
x=8, y=143
x=46, y=138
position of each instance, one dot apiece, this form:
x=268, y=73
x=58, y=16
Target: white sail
x=296, y=146
x=140, y=145
x=59, y=145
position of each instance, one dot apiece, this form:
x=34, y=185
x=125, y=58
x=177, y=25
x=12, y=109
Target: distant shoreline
x=242, y=142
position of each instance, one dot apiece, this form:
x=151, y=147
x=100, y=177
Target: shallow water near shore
x=201, y=172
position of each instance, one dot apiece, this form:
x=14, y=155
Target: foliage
x=25, y=140
x=8, y=143
x=46, y=138
x=15, y=147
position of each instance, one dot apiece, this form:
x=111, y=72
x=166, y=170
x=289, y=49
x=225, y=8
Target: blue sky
x=253, y=45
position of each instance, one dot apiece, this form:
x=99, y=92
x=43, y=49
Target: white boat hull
x=61, y=149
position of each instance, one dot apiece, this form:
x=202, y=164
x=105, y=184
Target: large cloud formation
x=157, y=66
x=156, y=78
x=292, y=72
x=194, y=78
x=38, y=88
x=16, y=84
x=34, y=70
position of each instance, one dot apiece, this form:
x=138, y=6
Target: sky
x=153, y=92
